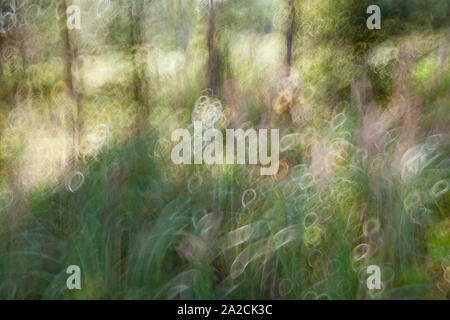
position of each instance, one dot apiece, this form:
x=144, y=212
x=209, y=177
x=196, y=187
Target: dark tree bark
x=290, y=36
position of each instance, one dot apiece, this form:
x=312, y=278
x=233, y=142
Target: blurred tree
x=212, y=52
x=69, y=39
x=290, y=31
x=140, y=87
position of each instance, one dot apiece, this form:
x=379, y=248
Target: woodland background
x=86, y=177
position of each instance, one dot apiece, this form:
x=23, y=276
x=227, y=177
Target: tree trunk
x=139, y=82
x=290, y=36
x=70, y=56
x=212, y=54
